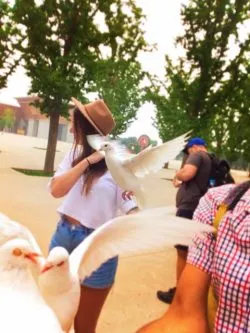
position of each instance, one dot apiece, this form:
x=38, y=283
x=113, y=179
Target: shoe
x=166, y=296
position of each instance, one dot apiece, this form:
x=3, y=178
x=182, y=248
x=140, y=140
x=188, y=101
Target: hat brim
x=81, y=107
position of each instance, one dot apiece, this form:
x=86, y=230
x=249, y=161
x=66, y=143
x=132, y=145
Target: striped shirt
x=227, y=259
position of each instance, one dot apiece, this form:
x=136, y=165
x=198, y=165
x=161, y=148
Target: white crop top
x=101, y=204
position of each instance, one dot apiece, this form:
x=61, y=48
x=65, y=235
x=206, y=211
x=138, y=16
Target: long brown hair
x=82, y=149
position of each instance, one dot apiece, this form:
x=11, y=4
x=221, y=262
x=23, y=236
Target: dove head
x=18, y=253
x=57, y=260
x=107, y=147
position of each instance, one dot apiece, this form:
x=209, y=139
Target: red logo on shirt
x=127, y=195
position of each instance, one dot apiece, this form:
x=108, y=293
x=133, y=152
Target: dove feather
x=96, y=141
x=153, y=159
x=139, y=233
x=10, y=229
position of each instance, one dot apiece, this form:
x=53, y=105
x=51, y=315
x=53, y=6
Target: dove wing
x=153, y=159
x=10, y=229
x=96, y=140
x=143, y=232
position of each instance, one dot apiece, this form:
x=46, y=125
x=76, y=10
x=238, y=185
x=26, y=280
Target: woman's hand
x=95, y=157
x=61, y=185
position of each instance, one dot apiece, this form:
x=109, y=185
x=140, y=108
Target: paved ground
x=26, y=199
x=132, y=301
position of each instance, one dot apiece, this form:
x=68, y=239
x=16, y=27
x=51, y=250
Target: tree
x=7, y=119
x=204, y=88
x=119, y=84
x=133, y=145
x=65, y=40
x=8, y=60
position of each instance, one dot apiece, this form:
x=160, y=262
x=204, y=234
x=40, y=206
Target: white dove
x=143, y=232
x=22, y=307
x=127, y=172
x=10, y=230
x=60, y=287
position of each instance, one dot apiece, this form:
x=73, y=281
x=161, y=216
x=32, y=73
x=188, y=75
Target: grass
x=32, y=172
x=41, y=148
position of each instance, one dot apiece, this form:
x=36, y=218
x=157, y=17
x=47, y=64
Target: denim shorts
x=70, y=236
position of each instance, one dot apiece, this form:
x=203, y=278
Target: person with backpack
x=200, y=171
x=218, y=264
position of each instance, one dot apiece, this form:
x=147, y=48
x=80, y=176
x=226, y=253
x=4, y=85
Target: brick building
x=29, y=120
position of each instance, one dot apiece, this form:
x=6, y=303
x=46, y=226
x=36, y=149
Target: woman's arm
x=188, y=312
x=62, y=184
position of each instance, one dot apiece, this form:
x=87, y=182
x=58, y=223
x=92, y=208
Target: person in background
x=191, y=181
x=91, y=198
x=222, y=260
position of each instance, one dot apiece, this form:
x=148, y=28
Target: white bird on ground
x=140, y=233
x=128, y=171
x=22, y=307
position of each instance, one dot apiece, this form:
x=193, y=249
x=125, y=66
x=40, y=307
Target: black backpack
x=220, y=172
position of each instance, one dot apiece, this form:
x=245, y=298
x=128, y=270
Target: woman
x=91, y=199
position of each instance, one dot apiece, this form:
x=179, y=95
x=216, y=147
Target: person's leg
x=91, y=303
x=167, y=296
x=94, y=291
x=181, y=262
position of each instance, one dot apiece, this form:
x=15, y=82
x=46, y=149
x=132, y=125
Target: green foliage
x=37, y=173
x=66, y=44
x=7, y=119
x=118, y=83
x=207, y=89
x=132, y=144
x=8, y=61
x=65, y=41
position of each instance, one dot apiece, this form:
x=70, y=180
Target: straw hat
x=98, y=114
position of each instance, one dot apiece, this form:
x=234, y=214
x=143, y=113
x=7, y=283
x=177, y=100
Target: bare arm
x=188, y=312
x=186, y=173
x=61, y=185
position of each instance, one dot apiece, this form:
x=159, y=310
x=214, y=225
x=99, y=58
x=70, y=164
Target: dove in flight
x=22, y=307
x=128, y=170
x=143, y=232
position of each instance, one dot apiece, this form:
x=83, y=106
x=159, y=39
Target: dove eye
x=17, y=252
x=60, y=264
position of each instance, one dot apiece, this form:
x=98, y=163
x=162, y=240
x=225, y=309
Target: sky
x=163, y=24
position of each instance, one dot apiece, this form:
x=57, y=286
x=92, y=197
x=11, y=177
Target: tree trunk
x=52, y=141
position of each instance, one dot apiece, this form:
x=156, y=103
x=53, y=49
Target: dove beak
x=46, y=268
x=32, y=256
